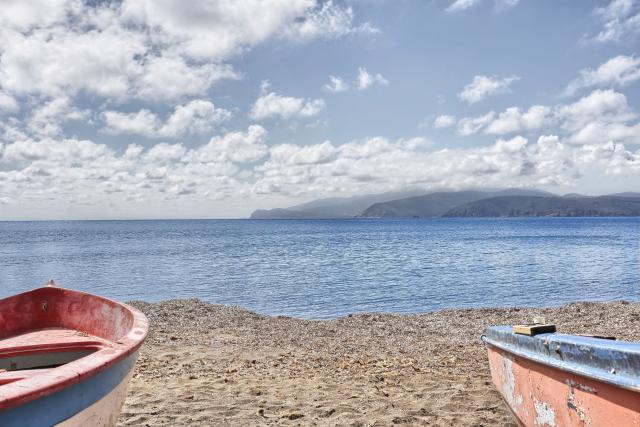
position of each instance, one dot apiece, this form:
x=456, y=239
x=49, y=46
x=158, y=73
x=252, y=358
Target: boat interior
x=50, y=327
x=32, y=353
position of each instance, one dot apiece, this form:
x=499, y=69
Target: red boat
x=66, y=357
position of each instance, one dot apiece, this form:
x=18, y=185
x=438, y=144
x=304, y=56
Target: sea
x=320, y=269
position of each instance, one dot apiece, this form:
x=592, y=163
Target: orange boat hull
x=539, y=395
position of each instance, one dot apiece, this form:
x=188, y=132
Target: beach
x=207, y=364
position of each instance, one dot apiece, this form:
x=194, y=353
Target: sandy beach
x=207, y=364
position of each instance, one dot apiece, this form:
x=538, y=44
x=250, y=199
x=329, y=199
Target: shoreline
x=142, y=303
x=208, y=364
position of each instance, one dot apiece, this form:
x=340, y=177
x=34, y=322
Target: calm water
x=319, y=269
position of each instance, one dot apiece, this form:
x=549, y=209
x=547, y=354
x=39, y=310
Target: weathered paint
x=612, y=362
x=65, y=404
x=547, y=394
x=545, y=415
x=509, y=382
x=104, y=412
x=97, y=339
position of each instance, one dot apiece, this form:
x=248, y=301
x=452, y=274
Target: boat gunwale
x=38, y=386
x=621, y=380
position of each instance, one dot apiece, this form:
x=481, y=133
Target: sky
x=139, y=109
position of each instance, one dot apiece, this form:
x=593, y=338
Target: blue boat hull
x=95, y=401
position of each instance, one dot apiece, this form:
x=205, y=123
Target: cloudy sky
x=152, y=109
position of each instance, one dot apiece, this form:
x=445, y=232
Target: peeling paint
x=509, y=383
x=579, y=386
x=545, y=415
x=544, y=391
x=573, y=405
x=612, y=362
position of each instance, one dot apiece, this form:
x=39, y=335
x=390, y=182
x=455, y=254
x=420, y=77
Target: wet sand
x=206, y=364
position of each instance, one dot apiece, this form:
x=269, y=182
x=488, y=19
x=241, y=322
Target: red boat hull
x=66, y=357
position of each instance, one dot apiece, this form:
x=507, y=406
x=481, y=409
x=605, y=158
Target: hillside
x=435, y=204
x=337, y=207
x=526, y=206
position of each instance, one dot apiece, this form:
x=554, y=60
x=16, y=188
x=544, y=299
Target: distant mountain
x=626, y=194
x=574, y=195
x=279, y=213
x=436, y=204
x=472, y=203
x=336, y=207
x=526, y=206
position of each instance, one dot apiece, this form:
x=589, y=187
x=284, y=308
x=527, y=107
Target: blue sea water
x=324, y=269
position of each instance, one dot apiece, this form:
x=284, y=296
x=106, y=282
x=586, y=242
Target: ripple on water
x=320, y=269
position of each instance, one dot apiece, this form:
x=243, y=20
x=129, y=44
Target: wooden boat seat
x=50, y=338
x=7, y=377
x=36, y=352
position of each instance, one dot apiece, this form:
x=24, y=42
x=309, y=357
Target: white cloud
x=296, y=155
x=59, y=55
x=172, y=77
x=515, y=120
x=48, y=118
x=461, y=5
x=56, y=61
x=599, y=105
x=512, y=145
x=49, y=152
x=271, y=104
x=598, y=118
x=324, y=168
x=327, y=20
x=25, y=15
x=600, y=132
x=616, y=72
x=80, y=173
x=483, y=86
x=142, y=122
x=197, y=116
x=615, y=9
x=614, y=157
x=471, y=125
x=236, y=147
x=146, y=49
x=379, y=164
x=220, y=30
x=444, y=121
x=165, y=153
x=213, y=30
x=586, y=120
x=621, y=21
x=366, y=79
x=335, y=85
x=8, y=103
